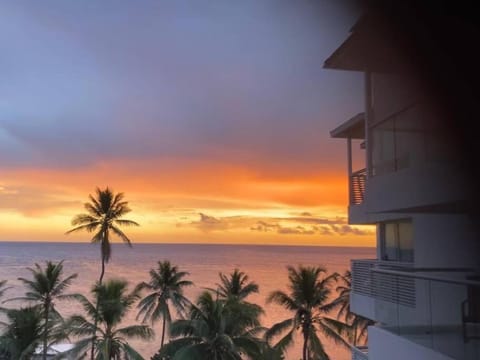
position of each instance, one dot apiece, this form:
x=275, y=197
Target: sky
x=213, y=118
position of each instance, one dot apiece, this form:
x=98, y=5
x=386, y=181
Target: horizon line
x=185, y=243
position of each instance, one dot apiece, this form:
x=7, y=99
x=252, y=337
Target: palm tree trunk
x=102, y=273
x=305, y=345
x=355, y=334
x=163, y=332
x=45, y=333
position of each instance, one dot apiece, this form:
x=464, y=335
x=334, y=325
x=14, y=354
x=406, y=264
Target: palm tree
x=233, y=290
x=309, y=292
x=102, y=324
x=47, y=286
x=236, y=286
x=22, y=334
x=166, y=288
x=103, y=217
x=210, y=333
x=3, y=289
x=353, y=325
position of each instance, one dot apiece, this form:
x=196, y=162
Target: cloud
x=279, y=225
x=184, y=80
x=299, y=230
x=34, y=202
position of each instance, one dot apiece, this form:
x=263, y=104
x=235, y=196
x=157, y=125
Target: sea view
x=265, y=265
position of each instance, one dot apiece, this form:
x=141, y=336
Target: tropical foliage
x=165, y=288
x=104, y=216
x=210, y=332
x=236, y=286
x=222, y=324
x=22, y=333
x=352, y=326
x=102, y=323
x=46, y=286
x=309, y=293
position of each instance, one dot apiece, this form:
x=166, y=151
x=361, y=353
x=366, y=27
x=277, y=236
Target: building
x=423, y=289
x=54, y=351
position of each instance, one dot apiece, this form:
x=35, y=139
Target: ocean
x=266, y=265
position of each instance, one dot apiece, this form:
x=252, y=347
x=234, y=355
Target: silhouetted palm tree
x=166, y=288
x=3, y=289
x=236, y=285
x=103, y=217
x=113, y=303
x=210, y=333
x=47, y=285
x=23, y=332
x=234, y=290
x=354, y=326
x=309, y=293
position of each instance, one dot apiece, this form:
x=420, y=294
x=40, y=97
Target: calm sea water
x=265, y=265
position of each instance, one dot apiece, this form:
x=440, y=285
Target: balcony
x=357, y=187
x=353, y=131
x=360, y=353
x=435, y=308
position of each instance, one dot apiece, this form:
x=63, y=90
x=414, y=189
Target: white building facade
x=423, y=288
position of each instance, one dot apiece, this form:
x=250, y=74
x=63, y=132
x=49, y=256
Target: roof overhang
x=368, y=48
x=353, y=128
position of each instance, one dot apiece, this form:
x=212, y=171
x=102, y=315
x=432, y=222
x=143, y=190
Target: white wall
x=414, y=187
x=445, y=241
x=384, y=345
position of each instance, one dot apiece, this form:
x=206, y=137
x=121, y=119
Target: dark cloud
x=242, y=82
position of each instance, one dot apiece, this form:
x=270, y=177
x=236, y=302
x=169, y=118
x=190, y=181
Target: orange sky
x=213, y=120
x=185, y=201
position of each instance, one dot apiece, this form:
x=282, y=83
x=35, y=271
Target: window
x=397, y=241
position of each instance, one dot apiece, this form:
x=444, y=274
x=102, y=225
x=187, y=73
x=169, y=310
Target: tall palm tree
x=210, y=333
x=353, y=326
x=22, y=335
x=47, y=285
x=309, y=293
x=112, y=305
x=104, y=217
x=166, y=288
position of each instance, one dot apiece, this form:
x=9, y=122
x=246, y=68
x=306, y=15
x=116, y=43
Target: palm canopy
x=46, y=286
x=102, y=323
x=165, y=288
x=309, y=292
x=236, y=285
x=354, y=327
x=22, y=333
x=210, y=333
x=3, y=289
x=104, y=216
x=233, y=290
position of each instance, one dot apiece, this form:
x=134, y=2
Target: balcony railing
x=360, y=353
x=357, y=187
x=437, y=308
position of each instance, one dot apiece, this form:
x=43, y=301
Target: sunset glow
x=216, y=128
